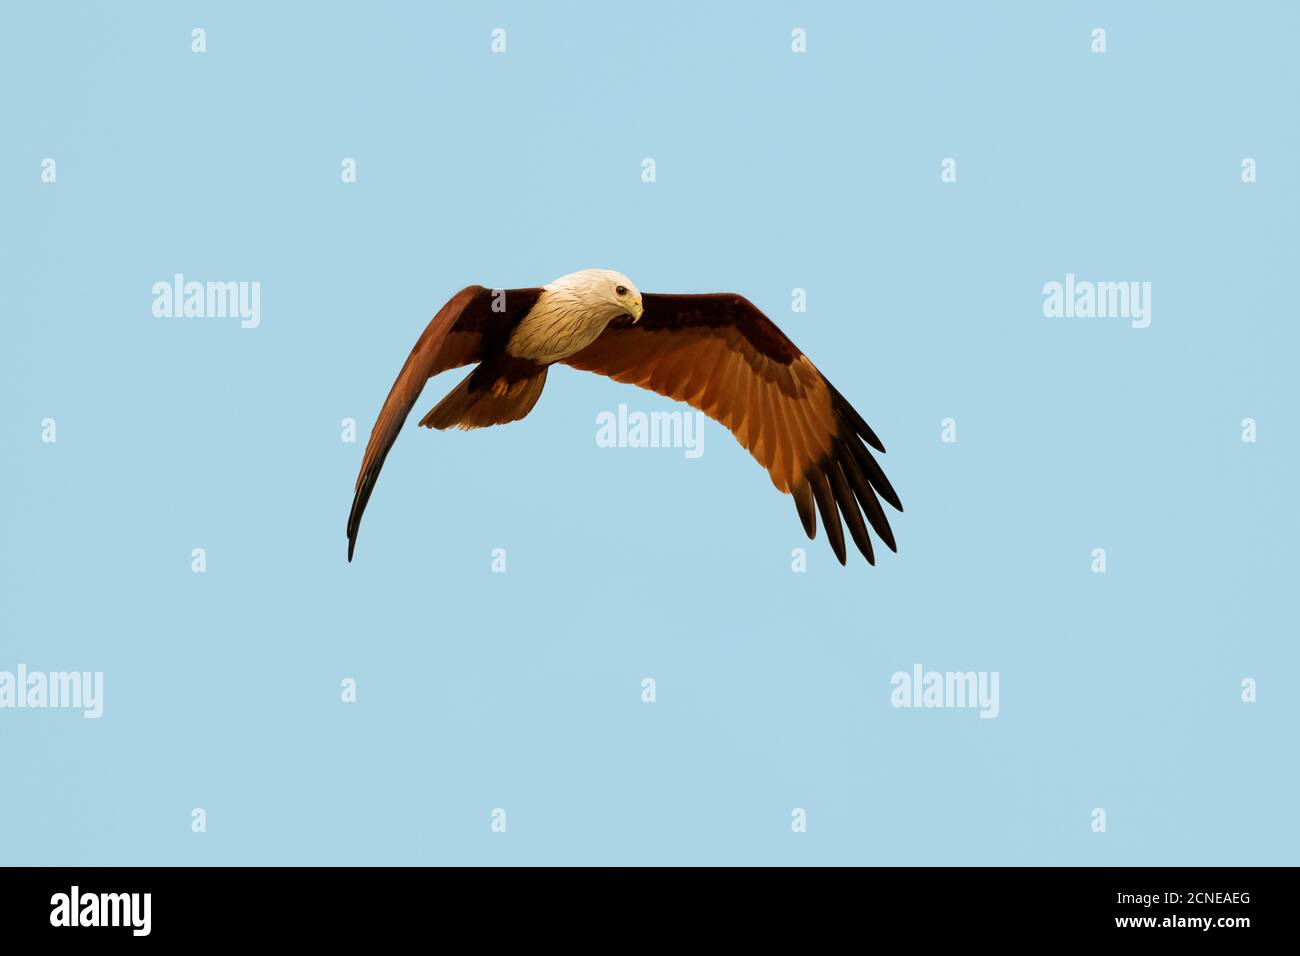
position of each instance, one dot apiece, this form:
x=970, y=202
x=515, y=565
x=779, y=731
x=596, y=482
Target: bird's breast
x=554, y=330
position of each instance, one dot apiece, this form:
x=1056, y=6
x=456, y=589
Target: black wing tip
x=358, y=509
x=886, y=491
x=353, y=527
x=838, y=486
x=825, y=500
x=865, y=549
x=855, y=422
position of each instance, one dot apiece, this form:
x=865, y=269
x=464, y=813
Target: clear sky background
x=522, y=691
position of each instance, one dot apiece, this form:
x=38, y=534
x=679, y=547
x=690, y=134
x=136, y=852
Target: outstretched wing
x=470, y=324
x=720, y=354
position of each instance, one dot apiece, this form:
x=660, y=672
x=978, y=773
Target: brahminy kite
x=717, y=352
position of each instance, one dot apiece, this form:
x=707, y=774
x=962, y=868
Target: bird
x=716, y=352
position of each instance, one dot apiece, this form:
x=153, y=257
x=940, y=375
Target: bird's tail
x=477, y=402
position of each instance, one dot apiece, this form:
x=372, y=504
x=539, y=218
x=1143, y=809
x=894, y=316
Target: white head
x=600, y=290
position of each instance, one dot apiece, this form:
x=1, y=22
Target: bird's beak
x=636, y=316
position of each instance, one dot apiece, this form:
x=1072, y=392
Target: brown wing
x=720, y=354
x=473, y=323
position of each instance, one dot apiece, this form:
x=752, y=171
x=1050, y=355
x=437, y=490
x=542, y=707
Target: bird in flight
x=716, y=352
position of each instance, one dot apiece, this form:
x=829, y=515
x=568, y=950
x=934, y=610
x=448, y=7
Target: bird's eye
x=621, y=290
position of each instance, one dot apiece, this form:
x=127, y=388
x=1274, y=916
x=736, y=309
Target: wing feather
x=721, y=355
x=830, y=515
x=458, y=335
